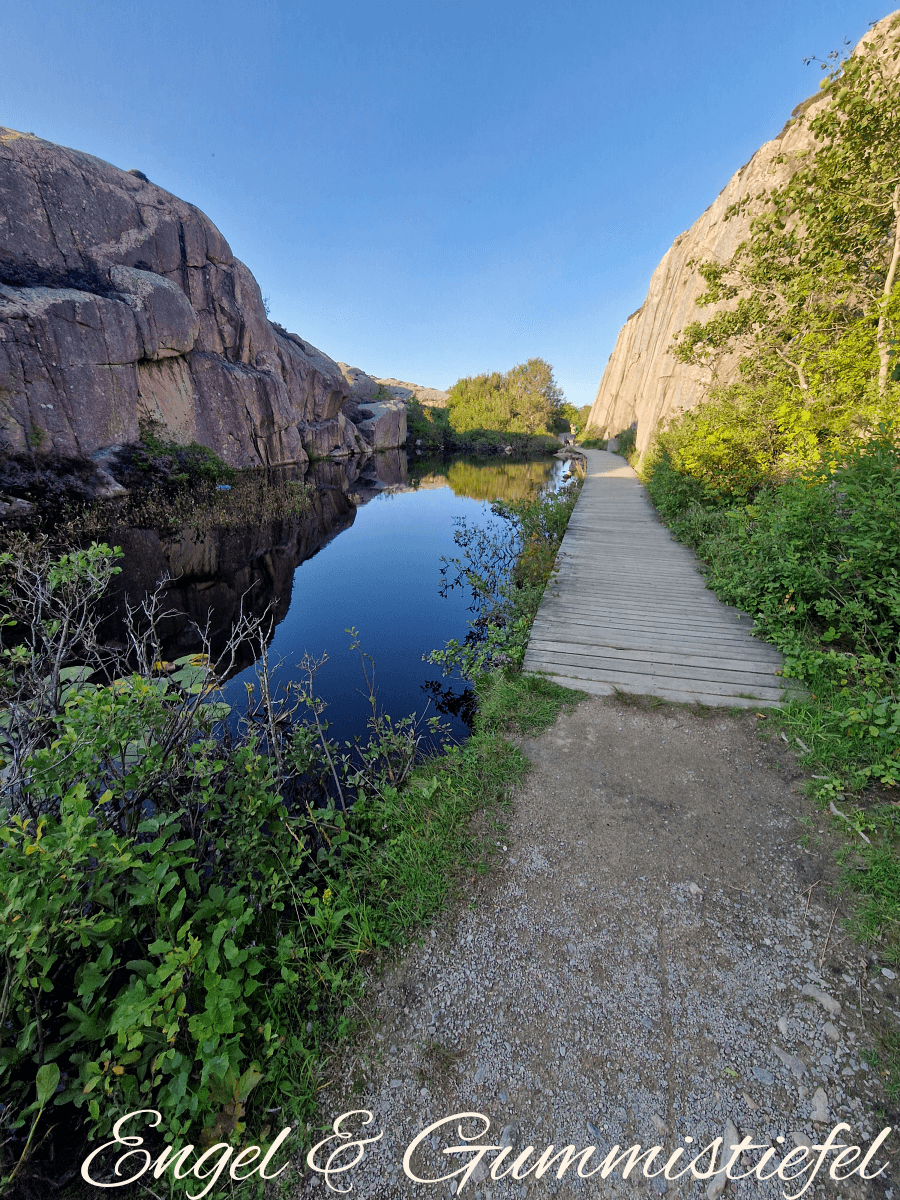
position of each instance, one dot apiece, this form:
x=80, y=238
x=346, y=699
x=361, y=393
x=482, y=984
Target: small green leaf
x=47, y=1080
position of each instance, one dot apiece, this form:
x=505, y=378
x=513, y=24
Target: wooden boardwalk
x=628, y=610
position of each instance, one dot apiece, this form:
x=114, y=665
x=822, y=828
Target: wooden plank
x=628, y=607
x=630, y=633
x=592, y=687
x=658, y=656
x=649, y=682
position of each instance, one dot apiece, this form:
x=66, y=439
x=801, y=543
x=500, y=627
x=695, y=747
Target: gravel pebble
x=651, y=924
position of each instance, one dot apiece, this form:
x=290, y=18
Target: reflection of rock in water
x=212, y=572
x=362, y=478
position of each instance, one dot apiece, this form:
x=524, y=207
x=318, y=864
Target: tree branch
x=884, y=353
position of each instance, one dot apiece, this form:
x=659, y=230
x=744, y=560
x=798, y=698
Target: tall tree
x=811, y=300
x=525, y=399
x=537, y=398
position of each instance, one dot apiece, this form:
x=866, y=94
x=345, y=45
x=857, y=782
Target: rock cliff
x=643, y=381
x=121, y=303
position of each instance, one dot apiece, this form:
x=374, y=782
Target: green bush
x=172, y=934
x=627, y=442
x=154, y=460
x=816, y=561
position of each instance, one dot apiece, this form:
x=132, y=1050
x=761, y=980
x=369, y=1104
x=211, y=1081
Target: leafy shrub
x=593, y=443
x=427, y=424
x=175, y=930
x=627, y=442
x=153, y=461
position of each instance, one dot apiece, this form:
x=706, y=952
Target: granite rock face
x=643, y=381
x=364, y=388
x=120, y=303
x=430, y=397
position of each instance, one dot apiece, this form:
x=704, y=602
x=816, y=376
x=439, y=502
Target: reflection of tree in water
x=462, y=705
x=489, y=481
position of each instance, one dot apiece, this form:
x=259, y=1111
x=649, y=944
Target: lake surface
x=367, y=556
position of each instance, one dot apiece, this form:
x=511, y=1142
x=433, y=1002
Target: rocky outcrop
x=643, y=381
x=364, y=388
x=120, y=303
x=379, y=412
x=430, y=397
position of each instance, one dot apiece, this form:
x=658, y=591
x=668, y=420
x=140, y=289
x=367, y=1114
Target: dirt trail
x=633, y=972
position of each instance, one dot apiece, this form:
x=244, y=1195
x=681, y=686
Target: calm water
x=369, y=556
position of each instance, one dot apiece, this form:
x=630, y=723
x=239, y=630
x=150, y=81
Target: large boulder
x=383, y=423
x=335, y=438
x=378, y=413
x=121, y=303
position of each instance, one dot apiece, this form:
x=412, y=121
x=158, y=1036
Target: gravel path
x=659, y=955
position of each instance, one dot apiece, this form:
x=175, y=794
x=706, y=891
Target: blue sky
x=432, y=189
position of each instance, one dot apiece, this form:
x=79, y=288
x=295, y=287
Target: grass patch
x=510, y=701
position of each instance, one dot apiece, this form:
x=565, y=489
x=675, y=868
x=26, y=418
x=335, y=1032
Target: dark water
x=367, y=556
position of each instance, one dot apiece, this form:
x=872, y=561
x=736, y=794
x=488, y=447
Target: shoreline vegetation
x=785, y=480
x=167, y=485
x=197, y=898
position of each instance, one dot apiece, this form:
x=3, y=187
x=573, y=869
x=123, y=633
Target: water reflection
x=382, y=576
x=480, y=480
x=212, y=573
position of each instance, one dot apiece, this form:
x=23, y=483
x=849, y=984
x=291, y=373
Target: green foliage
x=526, y=399
x=627, y=442
x=810, y=302
x=816, y=561
x=186, y=915
x=433, y=429
x=593, y=443
x=36, y=438
x=153, y=459
x=506, y=567
x=428, y=424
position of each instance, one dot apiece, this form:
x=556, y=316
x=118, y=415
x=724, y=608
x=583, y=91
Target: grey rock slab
x=820, y=1111
x=795, y=1065
x=831, y=1006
